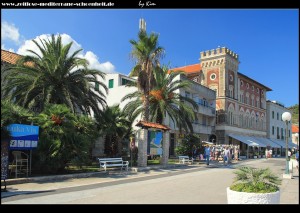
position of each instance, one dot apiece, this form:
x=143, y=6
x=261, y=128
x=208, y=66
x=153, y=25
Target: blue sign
x=154, y=143
x=23, y=137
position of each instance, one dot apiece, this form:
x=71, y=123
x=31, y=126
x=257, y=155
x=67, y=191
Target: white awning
x=267, y=142
x=247, y=140
x=282, y=143
x=207, y=142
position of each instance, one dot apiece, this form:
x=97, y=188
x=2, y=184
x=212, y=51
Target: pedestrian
x=207, y=154
x=236, y=151
x=226, y=155
x=289, y=155
x=194, y=152
x=297, y=160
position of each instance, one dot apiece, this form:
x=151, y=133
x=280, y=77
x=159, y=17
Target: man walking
x=207, y=154
x=226, y=155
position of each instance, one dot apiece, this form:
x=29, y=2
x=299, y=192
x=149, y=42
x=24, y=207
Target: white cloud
x=4, y=48
x=9, y=32
x=106, y=67
x=94, y=63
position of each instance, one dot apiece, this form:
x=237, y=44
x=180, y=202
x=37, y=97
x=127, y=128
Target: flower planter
x=234, y=197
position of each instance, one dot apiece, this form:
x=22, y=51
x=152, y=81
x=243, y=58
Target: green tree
x=64, y=137
x=187, y=144
x=11, y=114
x=295, y=114
x=114, y=126
x=164, y=100
x=147, y=54
x=56, y=76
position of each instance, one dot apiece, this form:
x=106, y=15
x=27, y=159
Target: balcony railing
x=202, y=128
x=206, y=110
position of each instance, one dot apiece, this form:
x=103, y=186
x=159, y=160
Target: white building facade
x=204, y=124
x=276, y=127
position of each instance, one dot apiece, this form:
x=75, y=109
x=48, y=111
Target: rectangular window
x=97, y=86
x=281, y=133
x=277, y=116
x=273, y=130
x=273, y=114
x=125, y=81
x=204, y=120
x=187, y=94
x=196, y=120
x=278, y=137
x=111, y=83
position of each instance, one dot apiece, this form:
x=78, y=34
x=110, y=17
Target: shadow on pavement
x=11, y=192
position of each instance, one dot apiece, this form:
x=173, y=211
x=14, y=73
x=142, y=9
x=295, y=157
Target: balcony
x=237, y=121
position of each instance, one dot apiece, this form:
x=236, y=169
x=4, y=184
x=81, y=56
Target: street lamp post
x=286, y=117
x=297, y=136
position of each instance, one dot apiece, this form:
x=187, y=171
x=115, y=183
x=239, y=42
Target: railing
x=204, y=129
x=207, y=110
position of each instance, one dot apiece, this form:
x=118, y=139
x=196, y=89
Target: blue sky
x=266, y=40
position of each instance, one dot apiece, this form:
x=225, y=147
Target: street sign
x=23, y=137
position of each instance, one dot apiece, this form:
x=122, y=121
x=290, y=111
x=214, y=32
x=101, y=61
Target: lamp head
x=286, y=116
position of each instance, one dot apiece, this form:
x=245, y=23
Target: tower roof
x=194, y=68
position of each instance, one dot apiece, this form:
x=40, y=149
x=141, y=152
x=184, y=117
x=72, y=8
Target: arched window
x=230, y=91
x=231, y=114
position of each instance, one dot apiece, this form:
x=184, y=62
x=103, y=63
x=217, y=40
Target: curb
x=50, y=178
x=84, y=175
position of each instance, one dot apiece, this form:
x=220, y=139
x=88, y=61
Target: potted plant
x=254, y=186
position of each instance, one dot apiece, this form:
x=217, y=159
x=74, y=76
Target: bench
x=113, y=162
x=185, y=159
x=3, y=178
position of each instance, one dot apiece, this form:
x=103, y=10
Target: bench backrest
x=185, y=157
x=110, y=159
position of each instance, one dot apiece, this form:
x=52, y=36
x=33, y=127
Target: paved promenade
x=188, y=182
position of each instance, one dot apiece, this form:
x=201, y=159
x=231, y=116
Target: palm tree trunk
x=146, y=100
x=146, y=107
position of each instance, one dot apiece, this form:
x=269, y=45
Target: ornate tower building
x=240, y=100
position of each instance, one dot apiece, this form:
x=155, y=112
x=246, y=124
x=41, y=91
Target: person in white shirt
x=289, y=154
x=226, y=155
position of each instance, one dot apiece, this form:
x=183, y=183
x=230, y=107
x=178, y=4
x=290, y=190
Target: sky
x=266, y=40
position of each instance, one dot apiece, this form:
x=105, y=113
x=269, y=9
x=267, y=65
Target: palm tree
x=55, y=76
x=147, y=53
x=64, y=137
x=249, y=179
x=12, y=113
x=164, y=100
x=114, y=126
